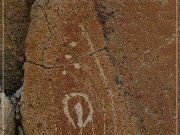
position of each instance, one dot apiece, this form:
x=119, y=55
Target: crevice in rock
x=104, y=48
x=17, y=95
x=52, y=66
x=50, y=37
x=17, y=20
x=63, y=65
x=15, y=100
x=13, y=92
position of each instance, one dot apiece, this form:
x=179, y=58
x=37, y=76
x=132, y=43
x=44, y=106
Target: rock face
x=100, y=67
x=7, y=123
x=68, y=85
x=141, y=38
x=16, y=23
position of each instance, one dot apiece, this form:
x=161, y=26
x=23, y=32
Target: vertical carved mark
x=79, y=110
x=105, y=80
x=104, y=117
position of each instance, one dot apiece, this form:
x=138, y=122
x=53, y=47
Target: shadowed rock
x=16, y=23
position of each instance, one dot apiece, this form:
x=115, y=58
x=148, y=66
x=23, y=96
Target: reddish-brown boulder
x=100, y=67
x=68, y=86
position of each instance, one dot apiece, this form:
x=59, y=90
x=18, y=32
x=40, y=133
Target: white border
x=177, y=68
x=2, y=95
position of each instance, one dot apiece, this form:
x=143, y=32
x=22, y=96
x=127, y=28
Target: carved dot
x=73, y=44
x=77, y=65
x=68, y=57
x=64, y=72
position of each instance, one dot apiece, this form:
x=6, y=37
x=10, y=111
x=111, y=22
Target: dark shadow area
x=17, y=19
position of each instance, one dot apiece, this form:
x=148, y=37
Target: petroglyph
x=64, y=72
x=77, y=65
x=79, y=112
x=78, y=109
x=68, y=57
x=105, y=80
x=73, y=44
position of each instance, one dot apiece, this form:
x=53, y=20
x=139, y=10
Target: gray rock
x=7, y=120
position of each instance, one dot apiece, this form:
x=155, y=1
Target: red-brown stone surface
x=68, y=76
x=100, y=68
x=141, y=38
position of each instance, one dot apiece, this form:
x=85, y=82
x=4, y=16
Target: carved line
x=78, y=108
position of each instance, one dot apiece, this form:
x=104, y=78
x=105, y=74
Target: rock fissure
x=50, y=37
x=16, y=21
x=51, y=67
x=64, y=65
x=98, y=51
x=15, y=100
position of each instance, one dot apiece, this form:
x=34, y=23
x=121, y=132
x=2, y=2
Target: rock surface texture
x=70, y=90
x=16, y=23
x=96, y=67
x=141, y=38
x=7, y=123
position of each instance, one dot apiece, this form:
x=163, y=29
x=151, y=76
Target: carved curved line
x=66, y=108
x=105, y=80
